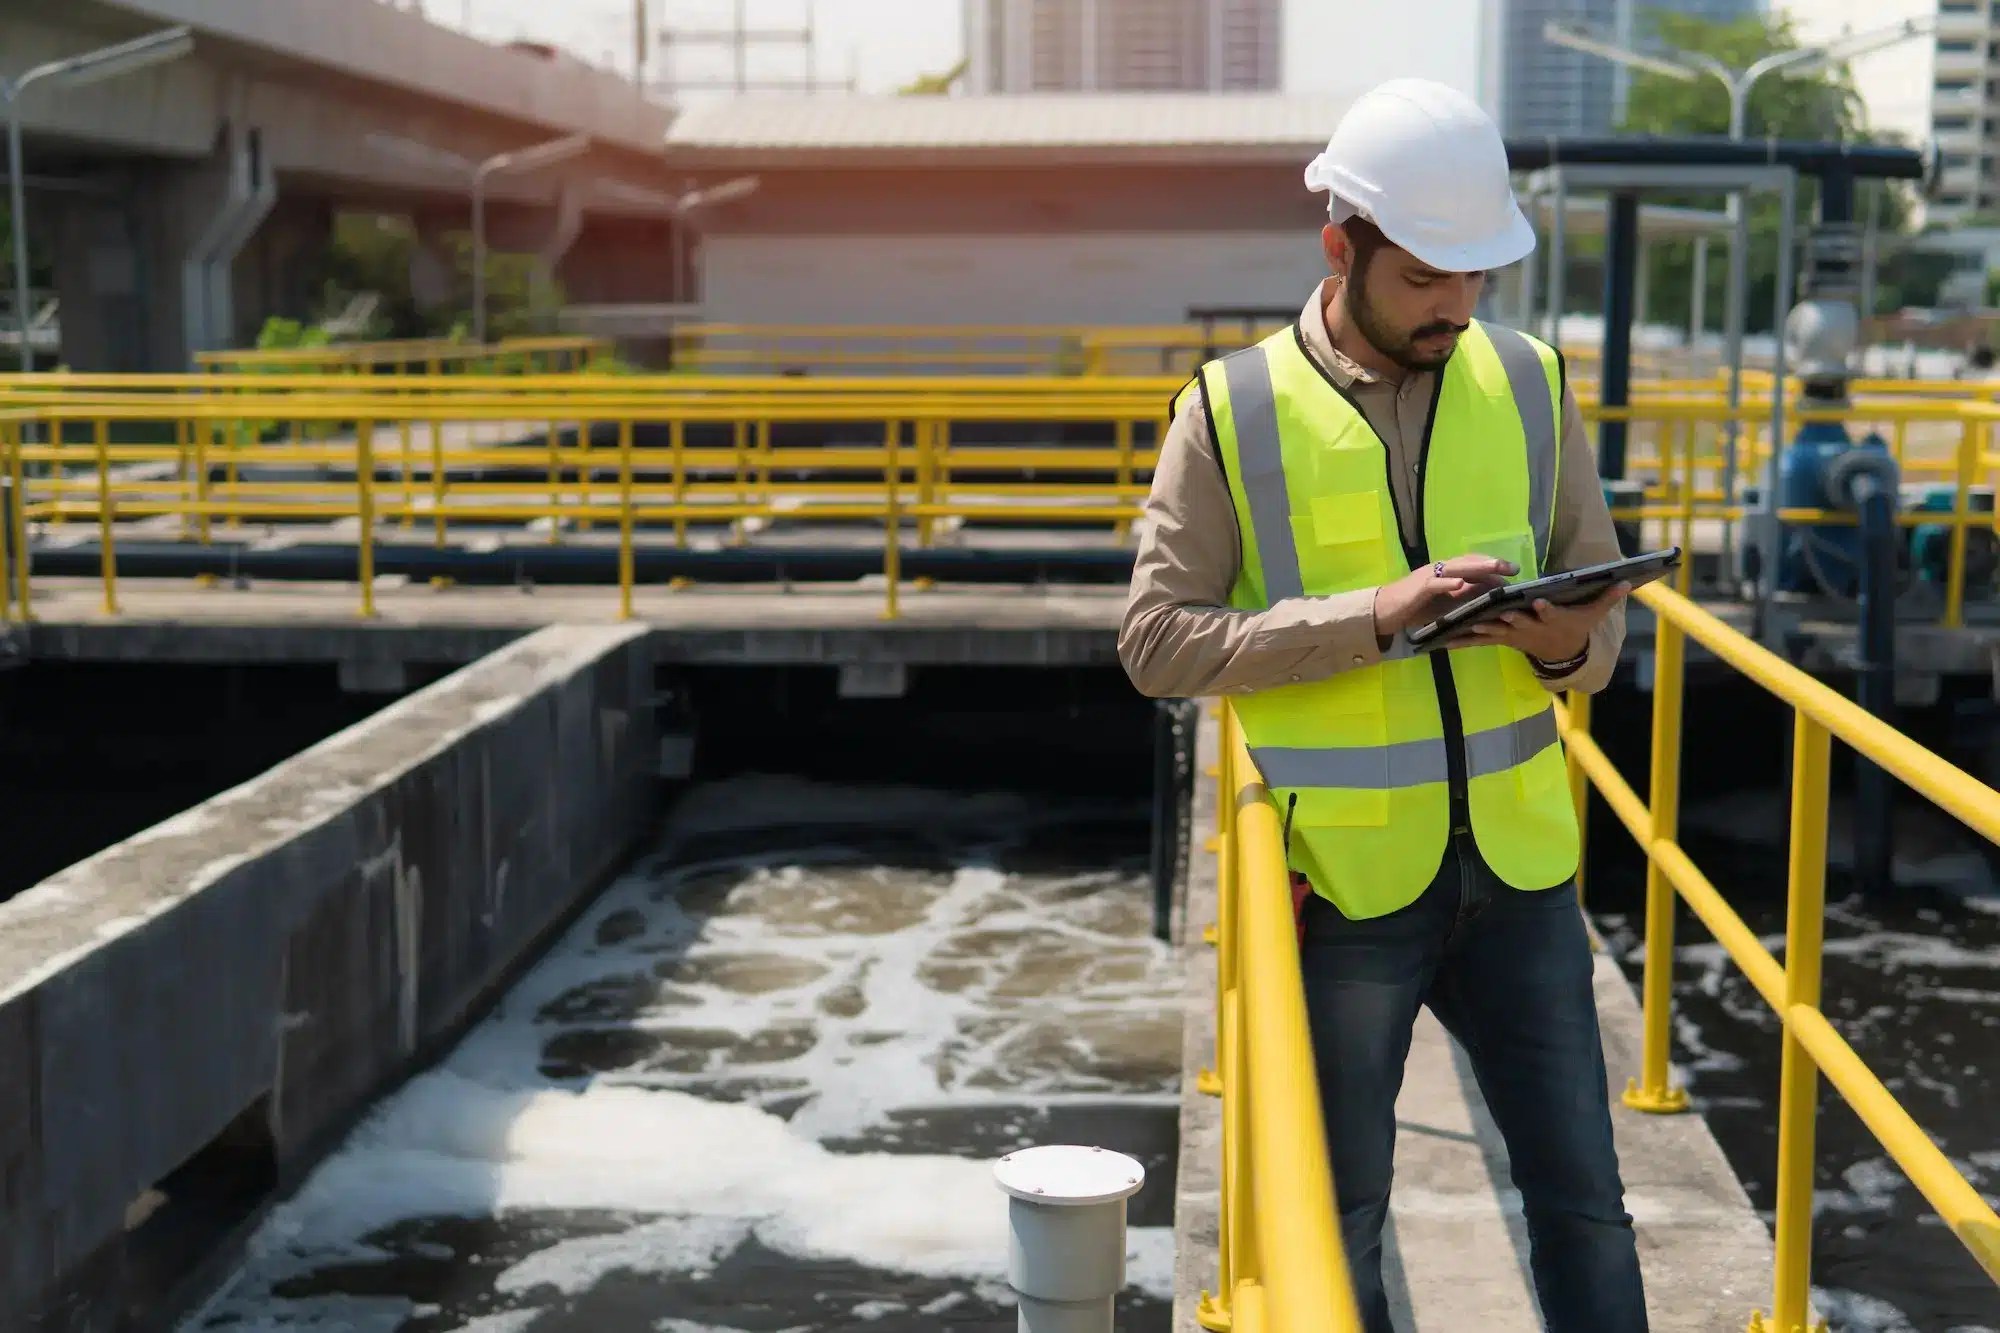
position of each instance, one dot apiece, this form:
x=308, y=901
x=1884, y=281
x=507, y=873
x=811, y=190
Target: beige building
x=1036, y=46
x=1965, y=108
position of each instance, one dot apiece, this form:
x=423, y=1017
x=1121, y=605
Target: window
x=1957, y=47
x=1953, y=87
x=1948, y=124
x=1959, y=6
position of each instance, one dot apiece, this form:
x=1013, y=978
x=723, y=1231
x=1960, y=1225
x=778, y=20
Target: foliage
x=376, y=254
x=1816, y=103
x=935, y=85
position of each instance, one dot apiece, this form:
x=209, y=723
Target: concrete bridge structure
x=181, y=204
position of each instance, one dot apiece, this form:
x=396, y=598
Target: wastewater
x=760, y=1084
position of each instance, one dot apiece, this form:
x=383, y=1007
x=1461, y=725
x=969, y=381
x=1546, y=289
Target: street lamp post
x=1689, y=66
x=476, y=174
x=108, y=62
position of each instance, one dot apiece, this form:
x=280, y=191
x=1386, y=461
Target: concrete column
x=433, y=272
x=278, y=271
x=100, y=266
x=150, y=277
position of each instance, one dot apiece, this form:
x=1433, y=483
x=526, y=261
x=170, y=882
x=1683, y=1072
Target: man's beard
x=1400, y=349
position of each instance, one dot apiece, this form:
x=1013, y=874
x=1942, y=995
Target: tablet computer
x=1566, y=589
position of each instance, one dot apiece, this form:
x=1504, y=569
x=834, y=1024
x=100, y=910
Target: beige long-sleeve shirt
x=1182, y=639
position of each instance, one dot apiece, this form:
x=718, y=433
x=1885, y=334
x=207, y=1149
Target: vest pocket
x=1339, y=541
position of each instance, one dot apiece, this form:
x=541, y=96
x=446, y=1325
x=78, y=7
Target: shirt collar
x=1345, y=371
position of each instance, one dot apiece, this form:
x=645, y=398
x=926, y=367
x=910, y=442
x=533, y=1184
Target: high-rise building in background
x=1549, y=89
x=1031, y=46
x=1965, y=109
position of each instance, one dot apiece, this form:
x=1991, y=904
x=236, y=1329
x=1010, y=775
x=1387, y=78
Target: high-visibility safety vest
x=1363, y=763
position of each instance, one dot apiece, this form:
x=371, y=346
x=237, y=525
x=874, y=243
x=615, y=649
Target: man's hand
x=1545, y=631
x=1423, y=595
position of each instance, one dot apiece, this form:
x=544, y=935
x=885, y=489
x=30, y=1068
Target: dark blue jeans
x=1508, y=975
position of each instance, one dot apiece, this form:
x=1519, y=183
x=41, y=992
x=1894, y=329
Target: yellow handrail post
x=677, y=443
x=1578, y=704
x=1684, y=576
x=364, y=481
x=10, y=435
x=1123, y=527
x=763, y=456
x=1653, y=1090
x=1968, y=458
x=201, y=484
x=926, y=487
x=437, y=482
x=555, y=486
x=108, y=552
x=625, y=519
x=23, y=561
x=892, y=536
x=409, y=475
x=239, y=434
x=1798, y=1078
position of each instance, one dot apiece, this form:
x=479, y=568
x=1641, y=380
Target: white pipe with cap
x=1066, y=1234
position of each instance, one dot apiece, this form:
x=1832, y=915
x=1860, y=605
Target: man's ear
x=1339, y=250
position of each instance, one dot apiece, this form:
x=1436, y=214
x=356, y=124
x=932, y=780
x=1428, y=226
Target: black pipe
x=1867, y=161
x=586, y=565
x=1621, y=257
x=1173, y=792
x=1876, y=687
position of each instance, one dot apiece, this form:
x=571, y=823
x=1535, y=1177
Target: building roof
x=1043, y=127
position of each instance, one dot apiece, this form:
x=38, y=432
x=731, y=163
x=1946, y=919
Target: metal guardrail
x=1281, y=1265
x=227, y=422
x=556, y=353
x=1811, y=1045
x=390, y=463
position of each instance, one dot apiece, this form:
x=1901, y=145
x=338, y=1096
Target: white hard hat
x=1424, y=164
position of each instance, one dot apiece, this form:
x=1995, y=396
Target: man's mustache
x=1443, y=326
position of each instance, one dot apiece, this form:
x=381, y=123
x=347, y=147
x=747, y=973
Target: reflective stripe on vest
x=1406, y=763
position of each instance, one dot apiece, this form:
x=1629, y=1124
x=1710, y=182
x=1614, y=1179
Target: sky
x=1330, y=45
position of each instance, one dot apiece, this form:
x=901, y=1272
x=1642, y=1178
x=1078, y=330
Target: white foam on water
x=872, y=1310
x=690, y=1245
x=1853, y=1312
x=507, y=1321
x=894, y=990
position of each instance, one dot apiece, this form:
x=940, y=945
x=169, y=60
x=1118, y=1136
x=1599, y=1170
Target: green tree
x=1817, y=103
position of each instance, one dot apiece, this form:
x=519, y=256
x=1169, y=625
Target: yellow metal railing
x=1281, y=1264
x=1811, y=1045
x=555, y=353
x=378, y=463
x=229, y=431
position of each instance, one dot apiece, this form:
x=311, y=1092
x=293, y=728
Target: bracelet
x=1550, y=670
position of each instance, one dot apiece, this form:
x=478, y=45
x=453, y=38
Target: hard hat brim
x=1509, y=246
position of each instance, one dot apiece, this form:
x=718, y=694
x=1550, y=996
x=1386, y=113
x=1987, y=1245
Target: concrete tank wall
x=267, y=962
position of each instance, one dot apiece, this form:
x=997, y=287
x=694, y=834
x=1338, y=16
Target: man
x=1317, y=496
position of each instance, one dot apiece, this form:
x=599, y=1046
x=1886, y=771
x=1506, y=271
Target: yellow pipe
x=106, y=519
x=1653, y=1091
x=1960, y=794
x=364, y=478
x=1574, y=716
x=1798, y=1082
x=1299, y=1258
x=892, y=537
x=1956, y=1201
x=1954, y=595
x=625, y=560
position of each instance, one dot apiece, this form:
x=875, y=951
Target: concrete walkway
x=1456, y=1246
